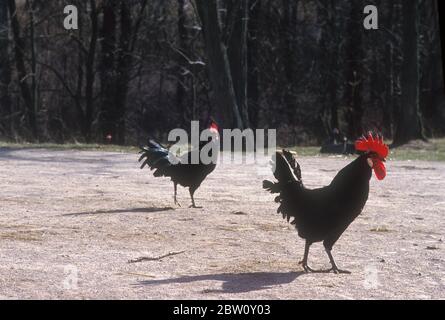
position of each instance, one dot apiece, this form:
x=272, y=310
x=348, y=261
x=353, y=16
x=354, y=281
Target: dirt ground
x=92, y=225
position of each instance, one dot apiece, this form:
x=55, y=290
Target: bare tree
x=253, y=53
x=237, y=53
x=224, y=97
x=441, y=9
x=355, y=72
x=139, y=68
x=107, y=68
x=120, y=30
x=90, y=71
x=409, y=122
x=5, y=73
x=22, y=73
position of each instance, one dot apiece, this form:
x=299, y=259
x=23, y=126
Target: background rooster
x=180, y=170
x=324, y=214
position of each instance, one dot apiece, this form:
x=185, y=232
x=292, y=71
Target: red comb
x=374, y=144
x=214, y=126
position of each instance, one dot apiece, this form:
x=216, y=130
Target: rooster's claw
x=306, y=268
x=339, y=271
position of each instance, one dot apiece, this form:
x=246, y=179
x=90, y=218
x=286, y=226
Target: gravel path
x=86, y=225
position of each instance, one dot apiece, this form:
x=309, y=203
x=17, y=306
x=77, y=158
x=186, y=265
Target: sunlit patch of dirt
x=88, y=213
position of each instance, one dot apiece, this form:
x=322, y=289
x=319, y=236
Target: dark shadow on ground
x=116, y=211
x=234, y=282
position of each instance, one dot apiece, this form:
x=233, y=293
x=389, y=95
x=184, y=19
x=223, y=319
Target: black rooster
x=181, y=170
x=324, y=214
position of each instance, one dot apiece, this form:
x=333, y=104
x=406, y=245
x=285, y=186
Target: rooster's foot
x=339, y=271
x=306, y=268
x=194, y=207
x=333, y=269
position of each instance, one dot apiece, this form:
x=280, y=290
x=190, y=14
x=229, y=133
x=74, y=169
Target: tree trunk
x=116, y=66
x=333, y=81
x=21, y=69
x=90, y=73
x=388, y=101
x=441, y=7
x=329, y=61
x=224, y=98
x=5, y=73
x=409, y=124
x=181, y=92
x=32, y=38
x=389, y=90
x=432, y=98
x=107, y=70
x=237, y=54
x=289, y=6
x=355, y=72
x=79, y=81
x=252, y=63
x=123, y=70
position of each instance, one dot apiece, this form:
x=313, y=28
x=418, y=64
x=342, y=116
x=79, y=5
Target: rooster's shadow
x=234, y=282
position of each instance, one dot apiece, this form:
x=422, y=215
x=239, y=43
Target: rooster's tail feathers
x=287, y=168
x=156, y=157
x=288, y=173
x=270, y=186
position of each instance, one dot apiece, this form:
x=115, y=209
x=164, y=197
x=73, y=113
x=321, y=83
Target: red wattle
x=379, y=169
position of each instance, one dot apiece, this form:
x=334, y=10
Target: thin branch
x=59, y=76
x=191, y=62
x=82, y=45
x=155, y=258
x=138, y=25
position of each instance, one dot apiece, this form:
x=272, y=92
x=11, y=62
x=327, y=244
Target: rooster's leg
x=192, y=192
x=306, y=254
x=331, y=258
x=176, y=201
